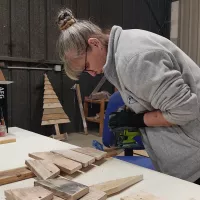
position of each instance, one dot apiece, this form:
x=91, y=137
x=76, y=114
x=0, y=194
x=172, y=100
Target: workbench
x=13, y=155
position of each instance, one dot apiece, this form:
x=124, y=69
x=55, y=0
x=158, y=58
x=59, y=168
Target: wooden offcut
x=64, y=164
x=64, y=188
x=50, y=96
x=53, y=111
x=141, y=196
x=43, y=169
x=115, y=186
x=85, y=160
x=97, y=154
x=29, y=193
x=54, y=116
x=7, y=139
x=94, y=194
x=14, y=175
x=51, y=101
x=52, y=105
x=48, y=91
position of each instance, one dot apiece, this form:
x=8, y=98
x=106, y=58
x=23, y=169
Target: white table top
x=166, y=187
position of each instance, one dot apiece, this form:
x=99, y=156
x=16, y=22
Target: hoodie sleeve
x=151, y=77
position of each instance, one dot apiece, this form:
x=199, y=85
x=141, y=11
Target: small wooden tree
x=53, y=113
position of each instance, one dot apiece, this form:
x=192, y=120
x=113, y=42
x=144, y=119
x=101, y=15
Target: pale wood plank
x=66, y=165
x=59, y=121
x=85, y=160
x=53, y=111
x=52, y=105
x=141, y=196
x=47, y=87
x=49, y=92
x=14, y=175
x=54, y=117
x=115, y=186
x=57, y=198
x=50, y=96
x=47, y=82
x=7, y=139
x=64, y=188
x=94, y=195
x=51, y=101
x=43, y=169
x=29, y=193
x=97, y=154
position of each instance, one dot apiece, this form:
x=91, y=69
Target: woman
x=156, y=80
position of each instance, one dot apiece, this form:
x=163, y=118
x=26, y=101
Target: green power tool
x=128, y=137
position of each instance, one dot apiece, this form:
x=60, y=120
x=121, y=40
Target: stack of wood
x=53, y=113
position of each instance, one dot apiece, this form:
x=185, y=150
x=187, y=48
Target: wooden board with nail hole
x=14, y=175
x=64, y=188
x=64, y=164
x=29, y=193
x=43, y=169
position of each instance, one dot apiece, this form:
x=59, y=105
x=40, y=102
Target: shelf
x=93, y=119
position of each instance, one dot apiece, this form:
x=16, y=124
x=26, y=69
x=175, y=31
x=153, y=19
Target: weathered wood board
x=53, y=111
x=47, y=117
x=97, y=154
x=64, y=188
x=57, y=121
x=32, y=193
x=50, y=96
x=51, y=101
x=115, y=186
x=14, y=175
x=66, y=165
x=52, y=105
x=85, y=160
x=43, y=169
x=94, y=195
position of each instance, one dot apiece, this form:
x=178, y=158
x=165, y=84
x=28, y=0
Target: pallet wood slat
x=54, y=117
x=115, y=186
x=94, y=195
x=85, y=160
x=58, y=121
x=14, y=175
x=52, y=105
x=53, y=111
x=30, y=193
x=50, y=96
x=51, y=101
x=64, y=164
x=49, y=92
x=97, y=154
x=64, y=188
x=43, y=169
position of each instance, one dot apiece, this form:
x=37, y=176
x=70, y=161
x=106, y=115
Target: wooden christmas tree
x=53, y=113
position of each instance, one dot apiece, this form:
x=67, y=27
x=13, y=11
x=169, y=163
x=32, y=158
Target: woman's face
x=93, y=60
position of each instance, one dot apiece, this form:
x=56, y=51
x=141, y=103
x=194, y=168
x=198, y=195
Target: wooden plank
x=52, y=105
x=49, y=92
x=51, y=101
x=48, y=87
x=97, y=154
x=29, y=193
x=50, y=96
x=47, y=83
x=54, y=117
x=57, y=129
x=37, y=30
x=5, y=28
x=43, y=169
x=115, y=186
x=59, y=121
x=141, y=153
x=20, y=103
x=14, y=175
x=64, y=188
x=94, y=195
x=20, y=38
x=85, y=160
x=141, y=196
x=66, y=165
x=53, y=111
x=7, y=139
x=57, y=198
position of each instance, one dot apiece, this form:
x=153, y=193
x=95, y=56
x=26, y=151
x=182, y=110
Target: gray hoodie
x=151, y=73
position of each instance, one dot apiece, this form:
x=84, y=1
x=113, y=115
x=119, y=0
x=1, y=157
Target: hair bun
x=65, y=19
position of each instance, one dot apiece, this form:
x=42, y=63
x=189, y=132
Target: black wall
x=28, y=30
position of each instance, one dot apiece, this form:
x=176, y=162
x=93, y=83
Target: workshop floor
x=79, y=139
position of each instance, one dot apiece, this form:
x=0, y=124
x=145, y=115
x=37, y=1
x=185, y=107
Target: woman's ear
x=94, y=42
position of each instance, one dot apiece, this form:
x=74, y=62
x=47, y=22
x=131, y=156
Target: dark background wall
x=28, y=35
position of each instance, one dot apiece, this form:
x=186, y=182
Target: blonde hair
x=74, y=36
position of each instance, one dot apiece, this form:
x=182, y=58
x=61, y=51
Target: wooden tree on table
x=53, y=113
